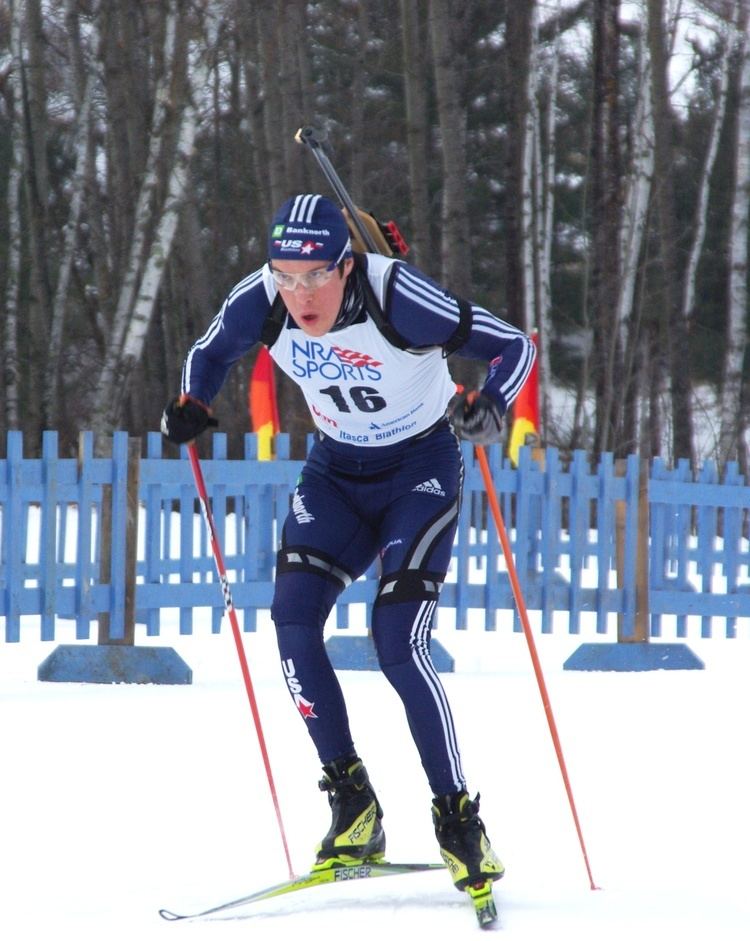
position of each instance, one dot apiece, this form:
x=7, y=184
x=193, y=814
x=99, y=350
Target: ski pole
x=523, y=614
x=228, y=604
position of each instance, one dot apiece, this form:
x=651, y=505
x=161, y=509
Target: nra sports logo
x=312, y=359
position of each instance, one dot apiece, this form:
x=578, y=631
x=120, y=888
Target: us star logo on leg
x=306, y=708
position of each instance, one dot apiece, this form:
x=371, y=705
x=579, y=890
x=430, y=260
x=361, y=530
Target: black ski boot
x=356, y=833
x=464, y=846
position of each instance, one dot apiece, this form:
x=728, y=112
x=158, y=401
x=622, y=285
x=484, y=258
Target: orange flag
x=526, y=411
x=264, y=415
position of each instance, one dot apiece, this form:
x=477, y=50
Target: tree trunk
x=253, y=114
x=269, y=56
x=518, y=48
x=455, y=255
x=37, y=200
x=701, y=211
x=357, y=127
x=545, y=239
x=83, y=151
x=123, y=167
x=295, y=95
x=11, y=378
x=111, y=387
x=454, y=245
x=531, y=186
x=414, y=57
x=36, y=105
x=736, y=331
x=150, y=282
x=633, y=337
x=606, y=222
x=677, y=332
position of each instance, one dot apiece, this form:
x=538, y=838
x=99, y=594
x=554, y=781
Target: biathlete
x=366, y=338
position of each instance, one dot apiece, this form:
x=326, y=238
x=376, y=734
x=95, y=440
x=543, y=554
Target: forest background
x=580, y=168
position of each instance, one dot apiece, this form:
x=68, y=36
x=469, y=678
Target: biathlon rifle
x=368, y=235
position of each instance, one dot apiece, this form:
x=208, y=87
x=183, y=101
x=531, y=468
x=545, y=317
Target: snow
x=120, y=800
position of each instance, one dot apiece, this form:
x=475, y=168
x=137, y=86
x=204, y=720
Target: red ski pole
x=523, y=614
x=228, y=604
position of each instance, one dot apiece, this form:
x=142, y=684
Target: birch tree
x=675, y=336
x=105, y=417
x=638, y=188
x=83, y=152
x=13, y=212
x=730, y=428
x=730, y=41
x=36, y=188
x=148, y=255
x=632, y=339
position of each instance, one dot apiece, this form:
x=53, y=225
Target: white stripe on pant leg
x=423, y=661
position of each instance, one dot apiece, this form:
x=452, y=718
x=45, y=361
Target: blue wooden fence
x=562, y=520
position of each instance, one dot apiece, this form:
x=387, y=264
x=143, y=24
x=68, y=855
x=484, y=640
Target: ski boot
x=356, y=834
x=466, y=851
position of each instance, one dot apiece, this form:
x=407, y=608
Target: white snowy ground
x=119, y=800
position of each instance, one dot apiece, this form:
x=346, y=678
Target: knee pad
x=409, y=585
x=402, y=614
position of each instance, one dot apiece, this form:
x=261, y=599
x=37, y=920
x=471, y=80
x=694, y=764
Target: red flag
x=264, y=415
x=525, y=428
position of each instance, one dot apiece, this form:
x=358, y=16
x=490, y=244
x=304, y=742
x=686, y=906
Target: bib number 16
x=364, y=398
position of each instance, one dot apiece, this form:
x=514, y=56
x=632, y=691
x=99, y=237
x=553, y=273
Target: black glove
x=184, y=419
x=476, y=418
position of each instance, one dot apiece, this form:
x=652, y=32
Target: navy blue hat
x=309, y=227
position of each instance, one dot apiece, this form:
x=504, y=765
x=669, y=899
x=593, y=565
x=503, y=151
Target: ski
x=317, y=877
x=484, y=903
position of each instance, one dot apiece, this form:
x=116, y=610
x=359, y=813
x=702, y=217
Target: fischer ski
x=317, y=877
x=484, y=903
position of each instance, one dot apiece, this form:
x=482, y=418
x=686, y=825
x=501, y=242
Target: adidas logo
x=430, y=486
